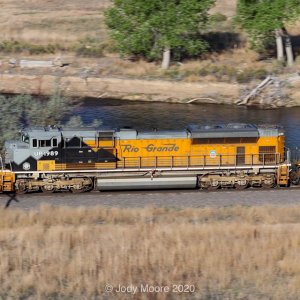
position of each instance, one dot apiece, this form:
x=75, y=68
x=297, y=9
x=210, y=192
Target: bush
x=227, y=73
x=22, y=111
x=90, y=47
x=13, y=46
x=251, y=74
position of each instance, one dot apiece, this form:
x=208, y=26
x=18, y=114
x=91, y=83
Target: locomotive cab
x=34, y=145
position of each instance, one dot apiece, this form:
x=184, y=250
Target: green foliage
x=24, y=110
x=13, y=46
x=146, y=28
x=229, y=73
x=87, y=47
x=260, y=18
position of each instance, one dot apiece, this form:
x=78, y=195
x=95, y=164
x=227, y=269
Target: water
x=149, y=115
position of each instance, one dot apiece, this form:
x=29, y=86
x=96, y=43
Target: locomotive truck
x=208, y=157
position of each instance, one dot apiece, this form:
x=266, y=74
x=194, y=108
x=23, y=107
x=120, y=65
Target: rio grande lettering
x=166, y=147
x=129, y=148
x=151, y=148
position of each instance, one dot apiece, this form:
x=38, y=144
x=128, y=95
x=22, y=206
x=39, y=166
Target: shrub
x=90, y=47
x=227, y=73
x=13, y=46
x=251, y=74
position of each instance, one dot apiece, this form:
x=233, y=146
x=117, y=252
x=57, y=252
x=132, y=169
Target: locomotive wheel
x=22, y=191
x=21, y=188
x=204, y=185
x=76, y=189
x=213, y=188
x=209, y=185
x=268, y=185
x=241, y=184
x=295, y=181
x=295, y=178
x=88, y=187
x=47, y=188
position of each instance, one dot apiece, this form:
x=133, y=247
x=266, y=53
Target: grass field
x=226, y=253
x=55, y=21
x=75, y=30
x=42, y=21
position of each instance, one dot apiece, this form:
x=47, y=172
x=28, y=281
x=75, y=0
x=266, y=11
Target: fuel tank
x=146, y=183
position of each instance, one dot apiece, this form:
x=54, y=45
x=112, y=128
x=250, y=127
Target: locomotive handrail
x=288, y=154
x=235, y=160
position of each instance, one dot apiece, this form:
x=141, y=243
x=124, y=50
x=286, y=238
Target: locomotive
x=209, y=157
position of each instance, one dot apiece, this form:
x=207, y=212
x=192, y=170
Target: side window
x=34, y=143
x=45, y=143
x=54, y=142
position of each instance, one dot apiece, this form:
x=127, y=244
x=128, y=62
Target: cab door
x=240, y=156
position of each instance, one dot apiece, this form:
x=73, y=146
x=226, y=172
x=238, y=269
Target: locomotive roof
x=233, y=130
x=195, y=131
x=223, y=130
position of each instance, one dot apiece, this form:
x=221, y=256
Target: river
x=149, y=115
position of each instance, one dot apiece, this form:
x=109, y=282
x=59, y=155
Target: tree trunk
x=279, y=44
x=289, y=50
x=166, y=58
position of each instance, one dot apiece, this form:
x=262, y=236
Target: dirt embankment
x=151, y=90
x=129, y=89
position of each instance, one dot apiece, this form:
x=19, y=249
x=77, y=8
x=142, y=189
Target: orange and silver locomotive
x=232, y=155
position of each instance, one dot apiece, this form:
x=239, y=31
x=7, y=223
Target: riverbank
x=120, y=88
x=142, y=90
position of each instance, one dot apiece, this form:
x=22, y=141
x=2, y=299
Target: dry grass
x=48, y=28
x=52, y=21
x=227, y=253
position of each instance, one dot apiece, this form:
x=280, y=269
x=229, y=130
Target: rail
x=238, y=160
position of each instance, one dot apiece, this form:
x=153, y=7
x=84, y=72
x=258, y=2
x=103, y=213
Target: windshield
x=25, y=139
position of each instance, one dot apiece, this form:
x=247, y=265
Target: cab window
x=54, y=142
x=44, y=143
x=34, y=143
x=25, y=139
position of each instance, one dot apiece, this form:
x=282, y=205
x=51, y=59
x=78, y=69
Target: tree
x=159, y=28
x=265, y=21
x=24, y=110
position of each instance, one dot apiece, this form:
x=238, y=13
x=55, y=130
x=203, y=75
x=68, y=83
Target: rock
x=12, y=62
x=36, y=63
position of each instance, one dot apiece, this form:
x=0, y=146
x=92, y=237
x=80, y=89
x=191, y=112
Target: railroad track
x=161, y=198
